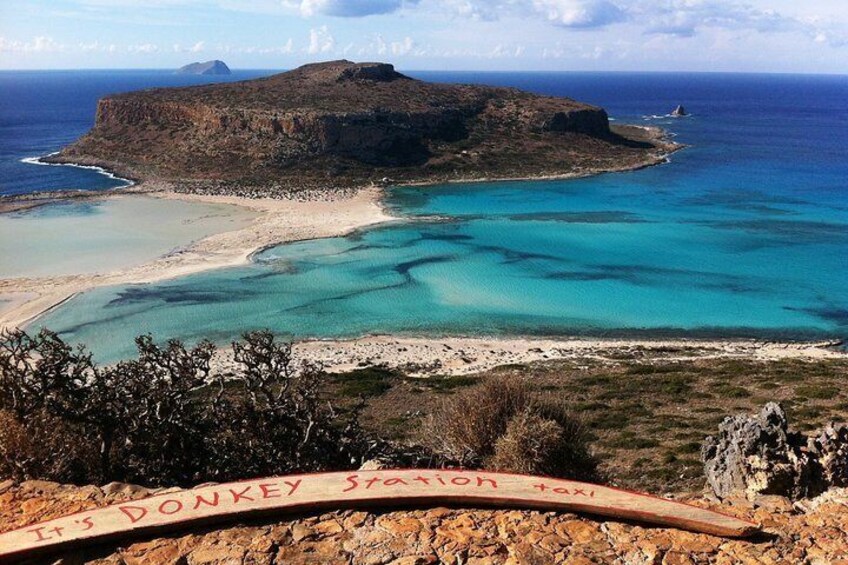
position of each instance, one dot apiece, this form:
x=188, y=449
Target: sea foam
x=101, y=170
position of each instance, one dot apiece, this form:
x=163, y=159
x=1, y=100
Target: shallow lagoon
x=598, y=256
x=98, y=236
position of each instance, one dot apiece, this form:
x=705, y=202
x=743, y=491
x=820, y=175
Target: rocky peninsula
x=312, y=145
x=344, y=124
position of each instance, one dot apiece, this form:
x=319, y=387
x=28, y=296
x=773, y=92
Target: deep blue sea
x=42, y=111
x=743, y=233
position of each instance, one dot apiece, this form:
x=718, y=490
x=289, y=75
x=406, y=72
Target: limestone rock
x=125, y=489
x=755, y=456
x=831, y=449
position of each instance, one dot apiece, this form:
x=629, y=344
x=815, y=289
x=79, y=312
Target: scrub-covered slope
x=341, y=123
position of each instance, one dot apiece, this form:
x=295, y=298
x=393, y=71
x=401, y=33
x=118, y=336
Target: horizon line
x=522, y=71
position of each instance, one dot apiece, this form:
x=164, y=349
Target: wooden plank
x=359, y=489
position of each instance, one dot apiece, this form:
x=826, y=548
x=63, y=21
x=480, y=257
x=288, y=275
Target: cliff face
x=353, y=121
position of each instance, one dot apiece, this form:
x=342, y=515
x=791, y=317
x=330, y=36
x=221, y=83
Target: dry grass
x=645, y=417
x=502, y=425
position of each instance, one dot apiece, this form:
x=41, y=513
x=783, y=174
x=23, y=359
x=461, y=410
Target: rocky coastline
x=339, y=125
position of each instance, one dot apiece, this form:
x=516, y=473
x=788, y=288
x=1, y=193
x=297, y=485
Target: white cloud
x=38, y=44
x=475, y=9
x=404, y=47
x=346, y=8
x=564, y=13
x=505, y=51
x=381, y=47
x=377, y=46
x=198, y=47
x=146, y=48
x=89, y=47
x=580, y=13
x=685, y=17
x=320, y=41
x=286, y=49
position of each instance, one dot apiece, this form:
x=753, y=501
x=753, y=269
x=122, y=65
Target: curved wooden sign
x=357, y=489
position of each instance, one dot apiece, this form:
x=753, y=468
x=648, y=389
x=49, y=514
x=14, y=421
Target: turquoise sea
x=743, y=233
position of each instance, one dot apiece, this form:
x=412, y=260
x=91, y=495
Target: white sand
x=468, y=355
x=278, y=221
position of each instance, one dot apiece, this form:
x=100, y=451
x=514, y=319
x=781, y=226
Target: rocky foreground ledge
x=813, y=531
x=758, y=455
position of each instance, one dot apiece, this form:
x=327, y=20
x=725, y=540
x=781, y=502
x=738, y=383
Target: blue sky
x=654, y=35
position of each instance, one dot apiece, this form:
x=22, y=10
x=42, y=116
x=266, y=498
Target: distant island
x=345, y=124
x=215, y=67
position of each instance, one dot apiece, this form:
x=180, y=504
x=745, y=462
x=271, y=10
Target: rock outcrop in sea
x=344, y=123
x=215, y=67
x=679, y=112
x=757, y=455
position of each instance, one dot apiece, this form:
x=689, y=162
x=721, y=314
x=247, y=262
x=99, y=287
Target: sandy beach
x=309, y=216
x=426, y=356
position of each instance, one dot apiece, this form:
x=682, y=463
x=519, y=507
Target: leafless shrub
x=527, y=444
x=166, y=417
x=44, y=447
x=467, y=425
x=500, y=425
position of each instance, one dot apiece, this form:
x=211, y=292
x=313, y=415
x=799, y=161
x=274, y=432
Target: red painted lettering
x=269, y=491
x=561, y=490
x=37, y=532
x=88, y=523
x=541, y=486
x=481, y=480
x=460, y=481
x=353, y=483
x=175, y=506
x=421, y=479
x=200, y=500
x=239, y=495
x=293, y=485
x=134, y=513
x=370, y=482
x=395, y=481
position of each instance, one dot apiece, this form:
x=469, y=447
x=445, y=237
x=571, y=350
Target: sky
x=807, y=36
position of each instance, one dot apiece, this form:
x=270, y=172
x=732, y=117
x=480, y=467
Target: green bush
x=365, y=382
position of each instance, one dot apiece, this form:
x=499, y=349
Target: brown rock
x=124, y=490
x=580, y=531
x=815, y=533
